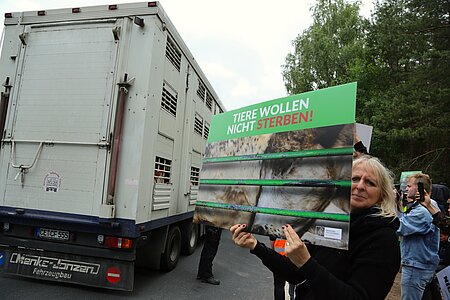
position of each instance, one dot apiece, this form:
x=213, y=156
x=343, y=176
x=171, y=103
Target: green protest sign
x=403, y=177
x=282, y=161
x=326, y=107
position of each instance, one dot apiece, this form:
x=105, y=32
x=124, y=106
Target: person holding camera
x=439, y=218
x=419, y=243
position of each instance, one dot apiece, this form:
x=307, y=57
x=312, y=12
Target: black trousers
x=209, y=251
x=432, y=290
x=278, y=288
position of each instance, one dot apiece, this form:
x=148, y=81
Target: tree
x=329, y=52
x=408, y=41
x=400, y=59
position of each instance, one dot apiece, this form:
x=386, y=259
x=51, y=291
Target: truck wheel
x=189, y=238
x=169, y=258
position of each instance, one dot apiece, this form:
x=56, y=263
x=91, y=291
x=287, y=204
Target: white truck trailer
x=104, y=115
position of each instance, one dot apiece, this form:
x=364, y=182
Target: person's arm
x=441, y=221
x=429, y=205
x=373, y=269
x=278, y=264
x=417, y=221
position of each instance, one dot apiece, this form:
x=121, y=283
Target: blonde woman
x=368, y=269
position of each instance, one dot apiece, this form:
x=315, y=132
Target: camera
x=421, y=191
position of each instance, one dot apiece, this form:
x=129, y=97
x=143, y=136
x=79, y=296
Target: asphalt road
x=242, y=276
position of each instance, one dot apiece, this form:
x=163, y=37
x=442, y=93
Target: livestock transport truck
x=104, y=116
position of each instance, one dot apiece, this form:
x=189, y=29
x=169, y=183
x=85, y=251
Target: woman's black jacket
x=366, y=271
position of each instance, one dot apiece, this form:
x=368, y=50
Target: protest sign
x=403, y=177
x=443, y=277
x=365, y=134
x=284, y=161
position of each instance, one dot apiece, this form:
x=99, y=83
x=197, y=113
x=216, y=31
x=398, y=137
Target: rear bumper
x=79, y=269
x=116, y=226
x=32, y=217
x=71, y=249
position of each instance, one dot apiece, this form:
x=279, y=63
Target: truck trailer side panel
x=107, y=118
x=59, y=119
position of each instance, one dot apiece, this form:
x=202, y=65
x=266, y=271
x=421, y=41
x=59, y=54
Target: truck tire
x=189, y=238
x=169, y=258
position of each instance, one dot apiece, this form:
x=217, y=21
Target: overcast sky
x=239, y=44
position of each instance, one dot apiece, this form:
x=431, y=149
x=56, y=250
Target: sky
x=240, y=45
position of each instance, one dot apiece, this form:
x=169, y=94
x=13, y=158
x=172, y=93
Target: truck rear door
x=59, y=120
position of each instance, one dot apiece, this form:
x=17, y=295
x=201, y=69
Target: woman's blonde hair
x=384, y=179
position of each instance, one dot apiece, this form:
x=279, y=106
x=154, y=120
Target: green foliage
x=329, y=51
x=400, y=58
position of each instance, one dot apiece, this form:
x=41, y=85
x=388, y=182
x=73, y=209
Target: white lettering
x=264, y=111
x=244, y=116
x=283, y=108
x=55, y=275
x=240, y=127
x=304, y=104
x=55, y=263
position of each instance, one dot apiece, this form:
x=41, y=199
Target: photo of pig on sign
x=284, y=161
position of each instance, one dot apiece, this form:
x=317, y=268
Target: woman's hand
x=241, y=238
x=295, y=249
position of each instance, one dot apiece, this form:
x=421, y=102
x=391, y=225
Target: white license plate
x=54, y=234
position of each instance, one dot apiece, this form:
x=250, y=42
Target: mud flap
x=92, y=271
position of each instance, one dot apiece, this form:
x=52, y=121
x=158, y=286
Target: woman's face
x=366, y=191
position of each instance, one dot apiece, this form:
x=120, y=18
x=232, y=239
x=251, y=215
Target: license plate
x=53, y=234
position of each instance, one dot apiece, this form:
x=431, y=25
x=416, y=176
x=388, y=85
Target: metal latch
x=23, y=169
x=23, y=38
x=125, y=84
x=116, y=32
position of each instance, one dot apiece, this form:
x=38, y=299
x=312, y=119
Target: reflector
x=116, y=242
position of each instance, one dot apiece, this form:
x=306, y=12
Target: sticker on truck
x=52, y=182
x=91, y=271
